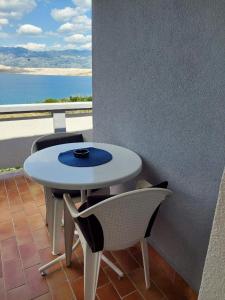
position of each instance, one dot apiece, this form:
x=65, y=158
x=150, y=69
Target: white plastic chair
x=116, y=223
x=54, y=197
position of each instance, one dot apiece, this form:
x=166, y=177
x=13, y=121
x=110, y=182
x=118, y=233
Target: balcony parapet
x=57, y=110
x=44, y=107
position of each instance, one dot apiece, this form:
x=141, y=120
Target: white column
x=213, y=279
x=59, y=121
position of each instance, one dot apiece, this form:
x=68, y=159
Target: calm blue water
x=18, y=88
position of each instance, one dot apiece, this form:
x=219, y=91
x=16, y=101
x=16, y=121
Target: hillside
x=23, y=58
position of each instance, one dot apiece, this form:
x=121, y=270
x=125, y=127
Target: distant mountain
x=13, y=50
x=21, y=57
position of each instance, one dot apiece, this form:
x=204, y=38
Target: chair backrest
x=56, y=139
x=125, y=218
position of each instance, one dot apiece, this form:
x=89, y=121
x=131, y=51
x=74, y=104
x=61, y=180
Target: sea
x=24, y=89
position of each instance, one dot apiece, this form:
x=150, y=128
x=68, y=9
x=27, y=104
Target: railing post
x=59, y=121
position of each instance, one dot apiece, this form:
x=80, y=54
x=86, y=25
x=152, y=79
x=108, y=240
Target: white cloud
x=44, y=47
x=86, y=4
x=80, y=24
x=4, y=21
x=78, y=39
x=79, y=42
x=10, y=15
x=16, y=8
x=68, y=47
x=66, y=27
x=60, y=47
x=17, y=4
x=56, y=47
x=64, y=14
x=76, y=25
x=67, y=13
x=29, y=29
x=86, y=46
x=33, y=46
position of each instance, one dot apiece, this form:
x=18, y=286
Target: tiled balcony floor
x=24, y=246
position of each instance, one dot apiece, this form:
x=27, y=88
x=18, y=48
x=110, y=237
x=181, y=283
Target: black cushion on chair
x=90, y=226
x=58, y=139
x=59, y=193
x=92, y=200
x=162, y=185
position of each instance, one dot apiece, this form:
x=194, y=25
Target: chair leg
x=91, y=272
x=144, y=250
x=58, y=209
x=69, y=228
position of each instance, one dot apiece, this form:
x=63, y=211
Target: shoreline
x=46, y=71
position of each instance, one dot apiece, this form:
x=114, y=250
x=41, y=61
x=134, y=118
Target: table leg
x=83, y=194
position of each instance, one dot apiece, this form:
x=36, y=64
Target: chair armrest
x=142, y=184
x=74, y=212
x=70, y=205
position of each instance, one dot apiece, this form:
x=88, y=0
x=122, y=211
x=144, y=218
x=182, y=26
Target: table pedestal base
x=43, y=269
x=56, y=260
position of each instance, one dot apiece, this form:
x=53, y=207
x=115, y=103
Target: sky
x=46, y=24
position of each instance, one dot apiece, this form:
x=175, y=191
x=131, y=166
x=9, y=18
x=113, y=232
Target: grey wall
x=159, y=89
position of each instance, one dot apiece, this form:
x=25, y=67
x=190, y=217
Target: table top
x=44, y=167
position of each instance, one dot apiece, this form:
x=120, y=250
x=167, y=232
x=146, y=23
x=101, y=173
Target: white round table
x=44, y=167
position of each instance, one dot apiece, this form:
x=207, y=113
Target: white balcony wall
x=17, y=136
x=213, y=280
x=32, y=127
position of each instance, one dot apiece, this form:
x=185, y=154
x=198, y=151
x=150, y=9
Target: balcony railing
x=57, y=110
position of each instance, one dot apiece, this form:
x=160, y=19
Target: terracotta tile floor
x=24, y=246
